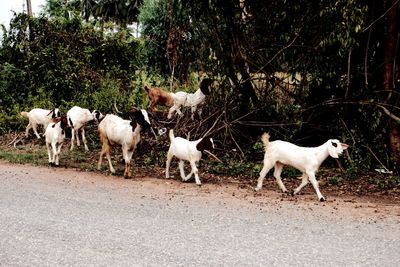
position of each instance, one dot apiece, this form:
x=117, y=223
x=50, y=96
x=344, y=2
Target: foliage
x=154, y=20
x=122, y=12
x=302, y=70
x=62, y=62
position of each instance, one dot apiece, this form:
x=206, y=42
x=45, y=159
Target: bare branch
x=387, y=112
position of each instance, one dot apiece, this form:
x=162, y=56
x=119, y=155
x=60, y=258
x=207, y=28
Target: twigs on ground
x=19, y=137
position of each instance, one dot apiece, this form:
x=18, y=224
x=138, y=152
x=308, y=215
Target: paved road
x=58, y=217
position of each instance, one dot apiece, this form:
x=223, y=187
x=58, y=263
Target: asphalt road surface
x=59, y=217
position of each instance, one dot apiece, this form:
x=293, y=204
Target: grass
x=37, y=158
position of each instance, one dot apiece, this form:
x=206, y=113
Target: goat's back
x=40, y=116
x=116, y=129
x=185, y=149
x=179, y=97
x=195, y=99
x=291, y=154
x=77, y=114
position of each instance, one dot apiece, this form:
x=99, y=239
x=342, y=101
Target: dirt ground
x=220, y=192
x=368, y=189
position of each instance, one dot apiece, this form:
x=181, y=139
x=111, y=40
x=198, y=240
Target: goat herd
x=115, y=131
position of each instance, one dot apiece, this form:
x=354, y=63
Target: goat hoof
x=322, y=199
x=199, y=184
x=292, y=193
x=256, y=189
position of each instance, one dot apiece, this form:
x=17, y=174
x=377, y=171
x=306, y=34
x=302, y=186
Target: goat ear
x=51, y=112
x=344, y=146
x=133, y=124
x=96, y=115
x=141, y=119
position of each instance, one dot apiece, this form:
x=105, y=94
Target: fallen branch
x=212, y=155
x=9, y=144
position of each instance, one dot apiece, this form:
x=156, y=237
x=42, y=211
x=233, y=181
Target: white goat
x=38, y=116
x=306, y=159
x=187, y=150
x=77, y=119
x=55, y=135
x=192, y=100
x=114, y=131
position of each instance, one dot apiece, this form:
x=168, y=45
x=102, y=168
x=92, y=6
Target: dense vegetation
x=303, y=70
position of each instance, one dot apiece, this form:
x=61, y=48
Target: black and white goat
x=38, y=116
x=115, y=131
x=77, y=119
x=192, y=100
x=55, y=135
x=187, y=150
x=306, y=159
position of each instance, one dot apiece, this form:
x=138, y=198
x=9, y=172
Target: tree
x=121, y=12
x=29, y=7
x=389, y=76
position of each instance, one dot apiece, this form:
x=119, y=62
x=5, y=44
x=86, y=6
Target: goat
x=38, y=116
x=306, y=159
x=55, y=135
x=191, y=151
x=77, y=119
x=159, y=96
x=175, y=101
x=114, y=131
x=192, y=100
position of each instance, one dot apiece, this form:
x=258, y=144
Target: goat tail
x=24, y=114
x=265, y=139
x=147, y=89
x=171, y=134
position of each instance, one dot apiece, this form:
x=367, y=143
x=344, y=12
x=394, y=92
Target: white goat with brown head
x=187, y=150
x=115, y=131
x=306, y=159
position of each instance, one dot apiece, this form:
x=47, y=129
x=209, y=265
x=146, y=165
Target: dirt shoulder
x=228, y=193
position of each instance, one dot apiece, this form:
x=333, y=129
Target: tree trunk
x=390, y=50
x=29, y=7
x=390, y=53
x=395, y=141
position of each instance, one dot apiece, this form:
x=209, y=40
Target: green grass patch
x=37, y=158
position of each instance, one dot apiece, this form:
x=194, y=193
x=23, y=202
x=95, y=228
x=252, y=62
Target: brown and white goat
x=187, y=150
x=158, y=96
x=38, y=116
x=115, y=131
x=179, y=99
